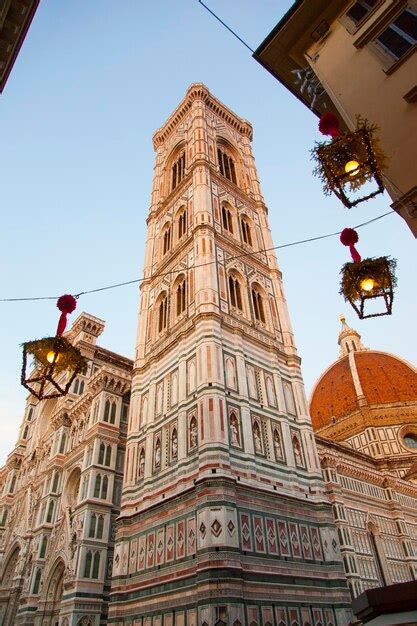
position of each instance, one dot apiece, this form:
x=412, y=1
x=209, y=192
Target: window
x=104, y=454
x=12, y=484
x=93, y=525
x=78, y=386
x=178, y=171
x=258, y=307
x=163, y=314
x=182, y=224
x=87, y=564
x=226, y=165
x=62, y=443
x=37, y=582
x=42, y=550
x=360, y=9
x=410, y=440
x=55, y=483
x=167, y=240
x=227, y=219
x=30, y=414
x=25, y=432
x=181, y=298
x=401, y=34
x=235, y=293
x=97, y=486
x=104, y=488
x=50, y=512
x=246, y=234
x=109, y=412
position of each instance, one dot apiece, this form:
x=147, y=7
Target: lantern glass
x=56, y=364
x=348, y=162
x=369, y=282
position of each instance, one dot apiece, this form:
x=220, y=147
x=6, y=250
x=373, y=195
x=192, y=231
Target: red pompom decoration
x=349, y=237
x=66, y=304
x=329, y=124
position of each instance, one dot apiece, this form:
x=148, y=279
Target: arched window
x=55, y=483
x=87, y=564
x=76, y=385
x=30, y=414
x=12, y=484
x=167, y=240
x=235, y=293
x=62, y=444
x=246, y=232
x=42, y=550
x=37, y=582
x=25, y=432
x=226, y=165
x=101, y=454
x=107, y=460
x=50, y=512
x=96, y=565
x=178, y=171
x=181, y=297
x=182, y=224
x=97, y=486
x=109, y=412
x=163, y=314
x=258, y=306
x=93, y=523
x=227, y=219
x=100, y=526
x=104, y=488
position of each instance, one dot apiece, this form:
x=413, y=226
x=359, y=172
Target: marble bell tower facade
x=224, y=519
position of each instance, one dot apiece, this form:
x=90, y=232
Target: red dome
x=384, y=379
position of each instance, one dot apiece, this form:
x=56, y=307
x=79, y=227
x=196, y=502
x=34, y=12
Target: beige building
x=60, y=494
x=356, y=57
x=364, y=412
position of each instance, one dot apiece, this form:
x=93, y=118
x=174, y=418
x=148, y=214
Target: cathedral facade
x=364, y=412
x=60, y=497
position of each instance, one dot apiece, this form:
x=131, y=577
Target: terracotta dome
x=381, y=379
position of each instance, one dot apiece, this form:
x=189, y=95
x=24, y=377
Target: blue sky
x=92, y=83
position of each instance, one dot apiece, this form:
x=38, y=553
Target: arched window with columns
x=162, y=309
x=246, y=230
x=235, y=291
x=178, y=170
x=227, y=220
x=258, y=304
x=226, y=162
x=166, y=239
x=182, y=223
x=180, y=296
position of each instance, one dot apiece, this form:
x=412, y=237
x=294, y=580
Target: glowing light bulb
x=352, y=168
x=367, y=284
x=51, y=357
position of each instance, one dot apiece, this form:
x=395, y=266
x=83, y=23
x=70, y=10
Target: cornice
x=198, y=91
x=109, y=379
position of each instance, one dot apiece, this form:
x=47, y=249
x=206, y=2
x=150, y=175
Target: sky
x=91, y=84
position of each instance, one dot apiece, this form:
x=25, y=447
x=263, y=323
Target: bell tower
x=224, y=519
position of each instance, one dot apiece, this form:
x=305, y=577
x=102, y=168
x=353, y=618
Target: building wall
x=362, y=78
x=375, y=514
x=61, y=490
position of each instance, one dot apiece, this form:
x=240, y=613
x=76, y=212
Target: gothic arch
x=229, y=160
x=237, y=291
x=10, y=565
x=175, y=168
x=72, y=487
x=260, y=303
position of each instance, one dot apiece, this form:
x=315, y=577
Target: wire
x=226, y=26
x=173, y=272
